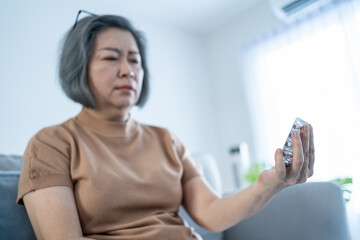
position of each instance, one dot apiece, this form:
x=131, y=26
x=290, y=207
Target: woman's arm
x=53, y=213
x=217, y=214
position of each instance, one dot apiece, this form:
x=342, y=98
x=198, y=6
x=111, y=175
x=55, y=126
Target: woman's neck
x=115, y=115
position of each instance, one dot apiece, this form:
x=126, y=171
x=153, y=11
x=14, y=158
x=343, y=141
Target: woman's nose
x=125, y=69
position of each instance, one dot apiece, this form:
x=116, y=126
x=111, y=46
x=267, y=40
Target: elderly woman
x=102, y=175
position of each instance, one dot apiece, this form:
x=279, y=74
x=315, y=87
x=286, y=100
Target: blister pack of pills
x=288, y=146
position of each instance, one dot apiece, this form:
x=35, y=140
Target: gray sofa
x=308, y=211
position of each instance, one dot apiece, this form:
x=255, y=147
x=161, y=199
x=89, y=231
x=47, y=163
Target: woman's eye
x=110, y=58
x=134, y=61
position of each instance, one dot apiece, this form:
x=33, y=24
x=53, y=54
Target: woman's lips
x=127, y=89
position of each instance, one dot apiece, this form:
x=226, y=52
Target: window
x=311, y=70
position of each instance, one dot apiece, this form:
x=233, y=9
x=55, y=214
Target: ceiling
x=194, y=15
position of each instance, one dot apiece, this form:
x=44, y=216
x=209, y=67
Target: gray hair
x=76, y=50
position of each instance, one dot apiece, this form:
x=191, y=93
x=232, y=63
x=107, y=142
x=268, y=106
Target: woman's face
x=115, y=73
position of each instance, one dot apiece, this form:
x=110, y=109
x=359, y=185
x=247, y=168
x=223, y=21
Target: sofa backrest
x=10, y=162
x=14, y=221
x=311, y=211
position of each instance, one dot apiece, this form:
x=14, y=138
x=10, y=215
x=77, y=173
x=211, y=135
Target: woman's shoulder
x=58, y=128
x=152, y=127
x=162, y=132
x=57, y=133
x=156, y=129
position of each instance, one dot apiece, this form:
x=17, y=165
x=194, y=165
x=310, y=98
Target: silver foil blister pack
x=288, y=146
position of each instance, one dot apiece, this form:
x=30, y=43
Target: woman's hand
x=219, y=213
x=301, y=168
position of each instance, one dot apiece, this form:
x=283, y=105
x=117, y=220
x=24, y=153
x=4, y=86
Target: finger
x=311, y=152
x=305, y=136
x=298, y=156
x=280, y=168
x=305, y=140
x=304, y=172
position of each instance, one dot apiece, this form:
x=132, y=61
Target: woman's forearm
x=227, y=211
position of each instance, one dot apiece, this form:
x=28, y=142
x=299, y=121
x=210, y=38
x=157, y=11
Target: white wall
x=224, y=46
x=196, y=85
x=31, y=98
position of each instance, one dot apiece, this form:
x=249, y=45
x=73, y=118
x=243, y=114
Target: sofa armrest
x=314, y=210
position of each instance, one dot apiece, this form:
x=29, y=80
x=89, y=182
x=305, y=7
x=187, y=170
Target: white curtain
x=311, y=69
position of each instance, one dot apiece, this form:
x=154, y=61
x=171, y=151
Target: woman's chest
x=121, y=180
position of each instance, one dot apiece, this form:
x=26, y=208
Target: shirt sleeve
x=191, y=168
x=46, y=162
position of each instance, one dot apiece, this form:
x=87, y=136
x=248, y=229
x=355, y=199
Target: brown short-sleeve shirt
x=127, y=177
